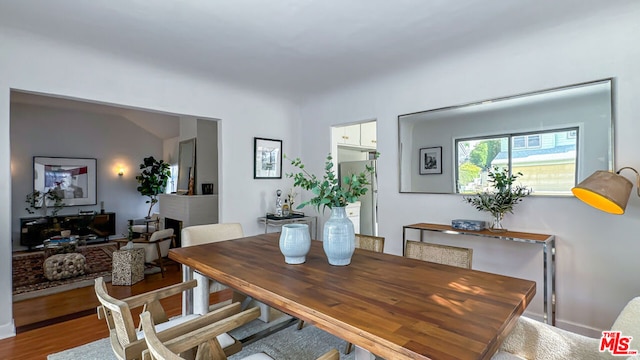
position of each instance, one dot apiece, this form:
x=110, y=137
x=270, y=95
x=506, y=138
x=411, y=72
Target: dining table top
x=394, y=307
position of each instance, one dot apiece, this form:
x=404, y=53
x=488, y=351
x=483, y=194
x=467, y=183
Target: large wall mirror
x=186, y=164
x=555, y=138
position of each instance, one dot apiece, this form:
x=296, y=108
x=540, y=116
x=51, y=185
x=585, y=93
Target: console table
x=548, y=243
x=275, y=221
x=34, y=230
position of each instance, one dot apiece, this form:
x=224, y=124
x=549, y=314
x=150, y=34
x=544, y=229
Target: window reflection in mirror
x=570, y=127
x=547, y=160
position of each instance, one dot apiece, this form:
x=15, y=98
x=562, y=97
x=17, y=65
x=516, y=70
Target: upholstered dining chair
x=534, y=340
x=209, y=233
x=128, y=342
x=204, y=339
x=441, y=254
x=364, y=242
x=203, y=234
x=156, y=248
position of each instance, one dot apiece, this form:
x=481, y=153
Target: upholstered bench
x=63, y=266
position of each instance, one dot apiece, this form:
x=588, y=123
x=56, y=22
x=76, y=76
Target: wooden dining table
x=387, y=305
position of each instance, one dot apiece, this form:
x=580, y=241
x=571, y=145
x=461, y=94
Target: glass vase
x=496, y=223
x=338, y=240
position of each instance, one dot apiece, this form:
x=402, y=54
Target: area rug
x=28, y=274
x=287, y=344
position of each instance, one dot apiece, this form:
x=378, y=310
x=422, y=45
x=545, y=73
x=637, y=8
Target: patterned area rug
x=28, y=274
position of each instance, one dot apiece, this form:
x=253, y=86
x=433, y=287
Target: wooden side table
x=128, y=266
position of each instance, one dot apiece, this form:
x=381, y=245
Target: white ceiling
x=292, y=48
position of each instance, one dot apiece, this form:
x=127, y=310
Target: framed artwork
x=73, y=179
x=430, y=160
x=267, y=158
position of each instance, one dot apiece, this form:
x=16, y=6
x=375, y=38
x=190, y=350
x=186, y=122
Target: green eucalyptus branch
x=505, y=195
x=327, y=192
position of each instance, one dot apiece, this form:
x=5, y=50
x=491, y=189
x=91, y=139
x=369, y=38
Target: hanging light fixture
x=607, y=191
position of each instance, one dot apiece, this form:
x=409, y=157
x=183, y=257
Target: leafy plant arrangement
x=327, y=191
x=503, y=198
x=153, y=179
x=38, y=199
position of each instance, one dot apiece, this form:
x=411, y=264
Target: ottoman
x=63, y=266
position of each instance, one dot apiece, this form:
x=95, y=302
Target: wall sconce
x=120, y=171
x=607, y=191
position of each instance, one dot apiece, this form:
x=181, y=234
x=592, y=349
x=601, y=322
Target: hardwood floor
x=62, y=321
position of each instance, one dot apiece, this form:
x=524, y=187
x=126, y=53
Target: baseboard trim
x=569, y=326
x=8, y=330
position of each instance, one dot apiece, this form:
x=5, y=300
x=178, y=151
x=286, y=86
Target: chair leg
x=160, y=258
x=348, y=348
x=300, y=324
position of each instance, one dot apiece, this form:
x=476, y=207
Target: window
x=547, y=160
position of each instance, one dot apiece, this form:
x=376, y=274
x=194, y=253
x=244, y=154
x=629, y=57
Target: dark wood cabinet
x=34, y=230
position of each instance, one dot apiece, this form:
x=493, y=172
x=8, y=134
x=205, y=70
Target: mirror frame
x=610, y=161
x=184, y=170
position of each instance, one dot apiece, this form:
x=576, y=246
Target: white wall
x=113, y=141
x=39, y=65
x=596, y=253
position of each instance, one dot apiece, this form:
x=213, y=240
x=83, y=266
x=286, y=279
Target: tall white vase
x=338, y=240
x=295, y=243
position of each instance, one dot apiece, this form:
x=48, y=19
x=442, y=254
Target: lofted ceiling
x=291, y=48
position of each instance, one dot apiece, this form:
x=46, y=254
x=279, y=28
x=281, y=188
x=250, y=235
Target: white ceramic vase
x=338, y=240
x=295, y=243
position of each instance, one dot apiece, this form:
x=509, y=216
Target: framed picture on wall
x=267, y=158
x=72, y=179
x=430, y=160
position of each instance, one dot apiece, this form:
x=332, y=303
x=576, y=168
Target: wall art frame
x=74, y=179
x=267, y=158
x=430, y=160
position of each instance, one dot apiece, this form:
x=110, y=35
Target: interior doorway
x=354, y=147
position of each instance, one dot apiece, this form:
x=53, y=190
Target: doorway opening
x=354, y=147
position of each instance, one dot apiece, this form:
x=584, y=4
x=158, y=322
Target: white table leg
x=362, y=354
x=187, y=296
x=201, y=294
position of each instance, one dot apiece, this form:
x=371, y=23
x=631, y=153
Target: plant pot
x=496, y=223
x=338, y=240
x=295, y=243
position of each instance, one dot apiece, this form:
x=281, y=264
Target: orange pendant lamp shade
x=606, y=191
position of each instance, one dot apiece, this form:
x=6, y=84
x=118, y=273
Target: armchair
x=534, y=340
x=156, y=248
x=128, y=342
x=203, y=338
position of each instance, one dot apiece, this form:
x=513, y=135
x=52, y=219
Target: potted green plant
x=338, y=234
x=38, y=199
x=152, y=181
x=504, y=196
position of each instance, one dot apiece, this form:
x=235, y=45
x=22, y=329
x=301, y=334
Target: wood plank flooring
x=62, y=321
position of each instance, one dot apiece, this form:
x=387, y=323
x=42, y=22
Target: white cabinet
x=368, y=134
x=348, y=135
x=357, y=135
x=353, y=213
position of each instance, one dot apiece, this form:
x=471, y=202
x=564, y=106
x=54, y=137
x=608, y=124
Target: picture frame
x=267, y=159
x=74, y=179
x=430, y=160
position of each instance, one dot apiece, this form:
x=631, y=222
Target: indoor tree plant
x=504, y=196
x=338, y=234
x=152, y=181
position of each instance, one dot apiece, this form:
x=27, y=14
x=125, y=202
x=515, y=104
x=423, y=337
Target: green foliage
x=468, y=172
x=505, y=194
x=37, y=199
x=153, y=179
x=327, y=191
x=484, y=153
